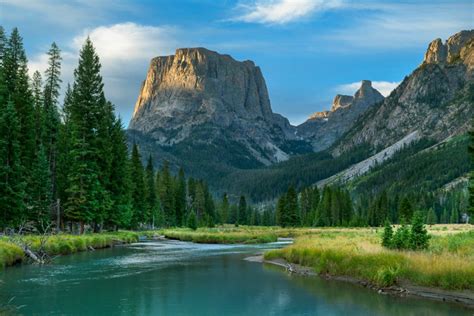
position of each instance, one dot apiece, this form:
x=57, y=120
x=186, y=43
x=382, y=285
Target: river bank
x=11, y=252
x=464, y=298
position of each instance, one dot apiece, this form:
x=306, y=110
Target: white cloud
x=400, y=25
x=282, y=11
x=384, y=87
x=125, y=51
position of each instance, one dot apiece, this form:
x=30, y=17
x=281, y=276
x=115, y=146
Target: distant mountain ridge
x=212, y=115
x=435, y=100
x=322, y=129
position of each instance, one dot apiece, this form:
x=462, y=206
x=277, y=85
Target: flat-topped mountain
x=201, y=102
x=322, y=129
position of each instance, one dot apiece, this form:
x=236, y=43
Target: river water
x=178, y=278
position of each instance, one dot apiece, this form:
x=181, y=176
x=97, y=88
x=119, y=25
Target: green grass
x=9, y=253
x=447, y=264
x=222, y=235
x=63, y=244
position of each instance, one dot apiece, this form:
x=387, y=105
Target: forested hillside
x=67, y=165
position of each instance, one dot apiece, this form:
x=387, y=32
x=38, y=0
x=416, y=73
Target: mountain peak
x=450, y=51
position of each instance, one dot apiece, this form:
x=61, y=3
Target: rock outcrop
x=204, y=101
x=436, y=100
x=322, y=129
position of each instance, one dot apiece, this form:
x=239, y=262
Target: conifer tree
x=292, y=208
x=191, y=220
x=418, y=235
x=431, y=217
x=224, y=209
x=243, y=219
x=150, y=193
x=12, y=184
x=180, y=198
x=405, y=210
x=138, y=188
x=166, y=194
x=37, y=87
x=41, y=191
x=387, y=235
x=120, y=215
x=15, y=66
x=51, y=118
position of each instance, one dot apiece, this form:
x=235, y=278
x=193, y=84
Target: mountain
x=211, y=114
x=413, y=141
x=198, y=104
x=322, y=129
x=435, y=101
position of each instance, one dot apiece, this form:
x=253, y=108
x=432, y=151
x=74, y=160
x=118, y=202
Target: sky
x=308, y=50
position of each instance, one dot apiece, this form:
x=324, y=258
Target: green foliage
x=387, y=235
x=414, y=237
x=191, y=221
x=418, y=235
x=401, y=238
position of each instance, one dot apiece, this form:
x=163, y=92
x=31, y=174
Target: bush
x=387, y=235
x=419, y=235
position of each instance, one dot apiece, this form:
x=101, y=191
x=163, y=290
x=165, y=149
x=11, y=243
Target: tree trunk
x=82, y=228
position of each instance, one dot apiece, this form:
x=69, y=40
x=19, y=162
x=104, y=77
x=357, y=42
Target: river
x=179, y=278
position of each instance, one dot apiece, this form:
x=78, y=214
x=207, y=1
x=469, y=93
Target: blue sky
x=309, y=50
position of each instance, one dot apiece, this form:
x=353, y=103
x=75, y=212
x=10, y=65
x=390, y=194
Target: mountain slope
x=434, y=100
x=432, y=105
x=322, y=129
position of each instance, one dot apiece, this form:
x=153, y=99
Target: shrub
x=419, y=235
x=387, y=235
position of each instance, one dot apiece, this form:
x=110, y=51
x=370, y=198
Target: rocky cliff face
x=199, y=98
x=436, y=100
x=322, y=129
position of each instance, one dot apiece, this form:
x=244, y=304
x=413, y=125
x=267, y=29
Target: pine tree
x=50, y=115
x=180, y=198
x=86, y=114
x=37, y=87
x=138, y=188
x=292, y=208
x=405, y=210
x=12, y=184
x=120, y=215
x=418, y=235
x=150, y=196
x=82, y=182
x=401, y=238
x=243, y=218
x=470, y=210
x=15, y=68
x=224, y=209
x=431, y=217
x=3, y=45
x=166, y=194
x=387, y=235
x=191, y=220
x=454, y=218
x=41, y=192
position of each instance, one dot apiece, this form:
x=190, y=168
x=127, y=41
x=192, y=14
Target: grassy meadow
x=448, y=263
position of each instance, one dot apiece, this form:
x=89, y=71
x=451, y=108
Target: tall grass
x=63, y=244
x=9, y=253
x=447, y=264
x=221, y=235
